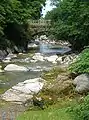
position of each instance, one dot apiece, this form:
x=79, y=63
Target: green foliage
x=82, y=63
x=81, y=112
x=71, y=22
x=17, y=12
x=50, y=114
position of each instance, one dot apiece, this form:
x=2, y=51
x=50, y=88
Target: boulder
x=82, y=83
x=38, y=56
x=13, y=67
x=62, y=85
x=52, y=58
x=15, y=96
x=23, y=91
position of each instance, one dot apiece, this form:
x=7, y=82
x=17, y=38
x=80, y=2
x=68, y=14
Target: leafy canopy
x=17, y=12
x=71, y=22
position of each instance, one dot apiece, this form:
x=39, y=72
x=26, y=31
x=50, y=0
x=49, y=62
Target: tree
x=14, y=15
x=71, y=22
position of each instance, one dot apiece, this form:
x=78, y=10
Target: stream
x=9, y=111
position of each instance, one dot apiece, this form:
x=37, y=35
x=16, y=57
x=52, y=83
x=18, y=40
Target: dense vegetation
x=14, y=15
x=81, y=111
x=81, y=65
x=71, y=22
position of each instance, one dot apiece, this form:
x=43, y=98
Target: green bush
x=81, y=112
x=82, y=63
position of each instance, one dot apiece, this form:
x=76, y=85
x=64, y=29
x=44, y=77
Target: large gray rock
x=82, y=83
x=13, y=67
x=23, y=91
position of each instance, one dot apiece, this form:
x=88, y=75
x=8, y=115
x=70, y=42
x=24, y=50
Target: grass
x=50, y=114
x=58, y=111
x=2, y=90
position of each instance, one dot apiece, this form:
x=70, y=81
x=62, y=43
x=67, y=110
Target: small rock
x=60, y=59
x=34, y=61
x=52, y=58
x=38, y=56
x=20, y=53
x=10, y=55
x=7, y=59
x=32, y=45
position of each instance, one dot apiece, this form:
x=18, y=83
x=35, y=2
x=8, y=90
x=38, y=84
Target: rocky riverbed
x=20, y=75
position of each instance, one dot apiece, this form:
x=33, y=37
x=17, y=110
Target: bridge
x=38, y=27
x=40, y=22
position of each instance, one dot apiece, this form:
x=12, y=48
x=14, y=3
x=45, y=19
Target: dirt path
x=11, y=111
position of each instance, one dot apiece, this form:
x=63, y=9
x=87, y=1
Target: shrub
x=81, y=112
x=82, y=63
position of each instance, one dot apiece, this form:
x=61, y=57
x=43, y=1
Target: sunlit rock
x=23, y=91
x=13, y=67
x=38, y=56
x=32, y=45
x=52, y=58
x=11, y=55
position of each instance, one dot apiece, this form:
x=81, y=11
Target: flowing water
x=9, y=79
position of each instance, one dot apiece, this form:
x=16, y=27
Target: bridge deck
x=39, y=22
